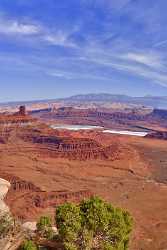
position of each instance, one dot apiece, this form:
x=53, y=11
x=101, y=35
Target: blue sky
x=57, y=48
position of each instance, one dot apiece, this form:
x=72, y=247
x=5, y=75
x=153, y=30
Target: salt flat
x=75, y=127
x=89, y=127
x=126, y=132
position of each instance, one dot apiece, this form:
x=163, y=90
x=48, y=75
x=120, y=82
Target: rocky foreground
x=4, y=187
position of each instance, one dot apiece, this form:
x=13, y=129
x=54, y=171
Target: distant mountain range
x=149, y=101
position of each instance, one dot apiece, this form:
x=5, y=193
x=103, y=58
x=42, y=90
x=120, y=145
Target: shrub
x=28, y=245
x=44, y=227
x=68, y=219
x=6, y=225
x=93, y=224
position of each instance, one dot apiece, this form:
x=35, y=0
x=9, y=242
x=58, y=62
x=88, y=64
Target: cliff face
x=19, y=117
x=15, y=119
x=71, y=148
x=64, y=113
x=112, y=119
x=158, y=135
x=48, y=143
x=17, y=184
x=158, y=115
x=28, y=206
x=27, y=201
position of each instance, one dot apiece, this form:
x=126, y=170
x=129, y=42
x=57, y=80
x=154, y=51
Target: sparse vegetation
x=93, y=224
x=44, y=227
x=28, y=245
x=6, y=225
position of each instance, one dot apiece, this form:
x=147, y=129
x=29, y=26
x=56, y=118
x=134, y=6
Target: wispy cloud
x=95, y=52
x=10, y=27
x=152, y=60
x=39, y=31
x=58, y=74
x=60, y=38
x=161, y=43
x=74, y=75
x=146, y=65
x=147, y=74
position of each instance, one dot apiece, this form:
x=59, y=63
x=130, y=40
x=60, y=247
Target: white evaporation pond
x=89, y=127
x=75, y=127
x=126, y=132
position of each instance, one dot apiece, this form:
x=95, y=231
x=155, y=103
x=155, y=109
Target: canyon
x=47, y=167
x=134, y=120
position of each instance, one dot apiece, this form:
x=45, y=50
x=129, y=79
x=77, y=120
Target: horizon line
x=68, y=97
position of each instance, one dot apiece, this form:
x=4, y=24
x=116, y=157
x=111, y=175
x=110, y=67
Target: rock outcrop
x=22, y=111
x=71, y=148
x=27, y=200
x=158, y=135
x=17, y=184
x=19, y=117
x=4, y=187
x=68, y=112
x=112, y=118
x=158, y=114
x=52, y=199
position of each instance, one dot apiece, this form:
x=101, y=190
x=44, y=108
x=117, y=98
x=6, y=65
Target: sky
x=59, y=48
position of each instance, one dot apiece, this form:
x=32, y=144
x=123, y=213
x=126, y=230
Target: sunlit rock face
x=4, y=187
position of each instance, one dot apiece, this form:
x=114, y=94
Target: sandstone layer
x=47, y=167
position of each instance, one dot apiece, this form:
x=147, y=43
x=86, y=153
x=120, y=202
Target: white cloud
x=148, y=65
x=146, y=73
x=54, y=37
x=14, y=27
x=65, y=75
x=75, y=75
x=59, y=38
x=148, y=59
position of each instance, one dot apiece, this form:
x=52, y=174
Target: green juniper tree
x=44, y=227
x=28, y=245
x=93, y=224
x=68, y=219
